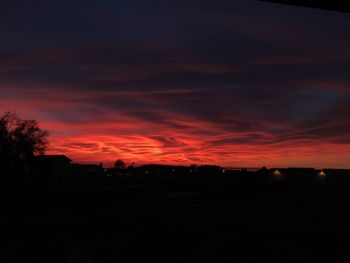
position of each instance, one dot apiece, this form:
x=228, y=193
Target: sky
x=239, y=83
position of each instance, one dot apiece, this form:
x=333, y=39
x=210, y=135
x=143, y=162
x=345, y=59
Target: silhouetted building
x=338, y=176
x=321, y=176
x=86, y=172
x=50, y=169
x=300, y=175
x=210, y=170
x=263, y=175
x=278, y=174
x=117, y=171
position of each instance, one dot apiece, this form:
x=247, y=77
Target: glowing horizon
x=80, y=144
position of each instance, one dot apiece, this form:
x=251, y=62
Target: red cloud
x=91, y=133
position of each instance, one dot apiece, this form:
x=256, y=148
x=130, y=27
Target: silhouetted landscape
x=172, y=213
x=59, y=211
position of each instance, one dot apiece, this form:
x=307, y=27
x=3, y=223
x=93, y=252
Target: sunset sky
x=238, y=83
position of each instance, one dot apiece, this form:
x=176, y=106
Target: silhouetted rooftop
x=53, y=158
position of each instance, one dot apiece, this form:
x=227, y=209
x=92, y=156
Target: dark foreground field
x=179, y=222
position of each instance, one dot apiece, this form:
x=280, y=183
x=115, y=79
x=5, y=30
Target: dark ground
x=177, y=222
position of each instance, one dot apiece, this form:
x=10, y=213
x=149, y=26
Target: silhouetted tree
x=119, y=164
x=20, y=140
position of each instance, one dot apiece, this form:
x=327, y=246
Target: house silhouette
x=50, y=169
